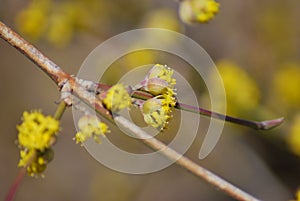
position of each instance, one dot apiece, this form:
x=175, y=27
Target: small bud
x=162, y=72
x=156, y=86
x=157, y=80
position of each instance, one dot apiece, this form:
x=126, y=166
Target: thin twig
x=13, y=189
x=259, y=125
x=61, y=108
x=59, y=76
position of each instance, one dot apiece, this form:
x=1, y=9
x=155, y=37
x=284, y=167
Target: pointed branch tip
x=269, y=124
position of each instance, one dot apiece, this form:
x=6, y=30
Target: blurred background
x=256, y=47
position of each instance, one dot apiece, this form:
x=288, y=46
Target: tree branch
x=62, y=79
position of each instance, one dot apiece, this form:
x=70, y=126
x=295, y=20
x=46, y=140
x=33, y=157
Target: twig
x=61, y=78
x=259, y=125
x=50, y=68
x=184, y=161
x=13, y=189
x=60, y=110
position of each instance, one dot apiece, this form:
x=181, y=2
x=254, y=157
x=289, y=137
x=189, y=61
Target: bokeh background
x=255, y=45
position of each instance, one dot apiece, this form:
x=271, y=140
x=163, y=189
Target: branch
x=258, y=125
x=64, y=80
x=38, y=58
x=184, y=161
x=61, y=78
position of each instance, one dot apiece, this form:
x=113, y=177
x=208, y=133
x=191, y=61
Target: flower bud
x=156, y=86
x=162, y=72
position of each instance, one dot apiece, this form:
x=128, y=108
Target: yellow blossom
x=163, y=72
x=159, y=82
x=157, y=110
x=168, y=99
x=202, y=11
x=35, y=161
x=37, y=131
x=89, y=127
x=36, y=135
x=158, y=79
x=117, y=98
x=39, y=162
x=154, y=114
x=25, y=157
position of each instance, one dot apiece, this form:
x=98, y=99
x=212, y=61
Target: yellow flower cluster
x=89, y=127
x=38, y=160
x=202, y=11
x=162, y=72
x=37, y=131
x=242, y=92
x=36, y=135
x=117, y=98
x=157, y=110
x=159, y=82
